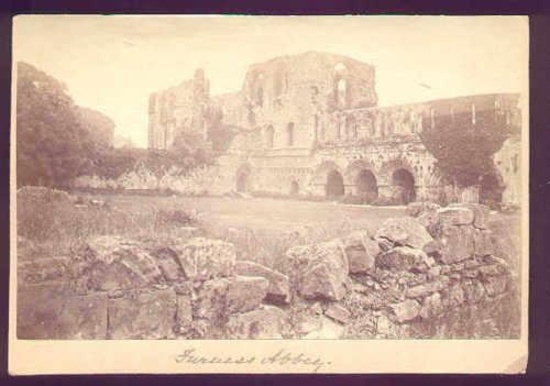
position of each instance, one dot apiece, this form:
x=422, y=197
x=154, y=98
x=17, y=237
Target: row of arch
x=366, y=184
x=400, y=184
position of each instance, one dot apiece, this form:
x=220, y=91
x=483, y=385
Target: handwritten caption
x=279, y=358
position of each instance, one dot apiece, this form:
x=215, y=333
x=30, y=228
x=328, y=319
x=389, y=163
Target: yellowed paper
x=318, y=130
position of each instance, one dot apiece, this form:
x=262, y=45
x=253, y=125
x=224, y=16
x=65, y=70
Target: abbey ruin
x=309, y=125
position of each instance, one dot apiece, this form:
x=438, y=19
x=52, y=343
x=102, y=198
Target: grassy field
x=261, y=228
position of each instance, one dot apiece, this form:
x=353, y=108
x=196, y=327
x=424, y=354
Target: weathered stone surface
x=184, y=311
x=455, y=295
x=117, y=263
x=361, y=251
x=211, y=298
x=481, y=214
x=431, y=306
x=406, y=310
x=323, y=269
x=385, y=328
x=246, y=293
x=483, y=243
x=205, y=258
x=433, y=248
x=473, y=291
x=458, y=244
x=50, y=311
x=320, y=282
x=338, y=312
x=452, y=216
x=85, y=317
x=279, y=284
x=167, y=261
x=495, y=285
x=41, y=270
x=402, y=259
x=143, y=315
x=404, y=231
x=492, y=270
x=38, y=308
x=428, y=288
x=264, y=323
x=327, y=330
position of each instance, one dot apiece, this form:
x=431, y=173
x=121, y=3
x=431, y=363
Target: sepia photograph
x=269, y=179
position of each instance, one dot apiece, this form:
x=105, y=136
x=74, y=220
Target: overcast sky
x=112, y=63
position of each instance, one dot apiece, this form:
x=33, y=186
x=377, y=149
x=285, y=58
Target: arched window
x=269, y=134
x=260, y=96
x=290, y=134
x=341, y=91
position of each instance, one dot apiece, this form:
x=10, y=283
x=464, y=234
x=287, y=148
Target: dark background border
x=539, y=276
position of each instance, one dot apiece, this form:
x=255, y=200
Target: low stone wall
x=413, y=269
x=200, y=181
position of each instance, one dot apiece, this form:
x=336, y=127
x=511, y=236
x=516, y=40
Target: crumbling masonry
x=309, y=125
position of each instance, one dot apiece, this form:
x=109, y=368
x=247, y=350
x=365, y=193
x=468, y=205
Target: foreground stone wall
x=418, y=269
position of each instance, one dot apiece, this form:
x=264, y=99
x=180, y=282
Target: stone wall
x=413, y=270
x=200, y=181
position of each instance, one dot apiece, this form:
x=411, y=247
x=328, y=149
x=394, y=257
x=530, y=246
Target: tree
x=53, y=147
x=464, y=150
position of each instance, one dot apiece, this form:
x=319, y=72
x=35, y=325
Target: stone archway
x=242, y=182
x=335, y=184
x=366, y=185
x=403, y=186
x=242, y=179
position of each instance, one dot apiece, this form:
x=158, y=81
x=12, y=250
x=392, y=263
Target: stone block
x=492, y=270
x=481, y=214
x=405, y=310
x=116, y=263
x=50, y=311
x=483, y=243
x=167, y=261
x=184, y=311
x=338, y=313
x=143, y=315
x=453, y=216
x=474, y=291
x=322, y=268
x=279, y=284
x=203, y=258
x=211, y=299
x=404, y=231
x=495, y=285
x=361, y=252
x=455, y=295
x=440, y=283
x=264, y=323
x=319, y=282
x=402, y=259
x=457, y=244
x=42, y=270
x=431, y=306
x=246, y=293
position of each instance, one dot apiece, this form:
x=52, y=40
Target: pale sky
x=113, y=63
